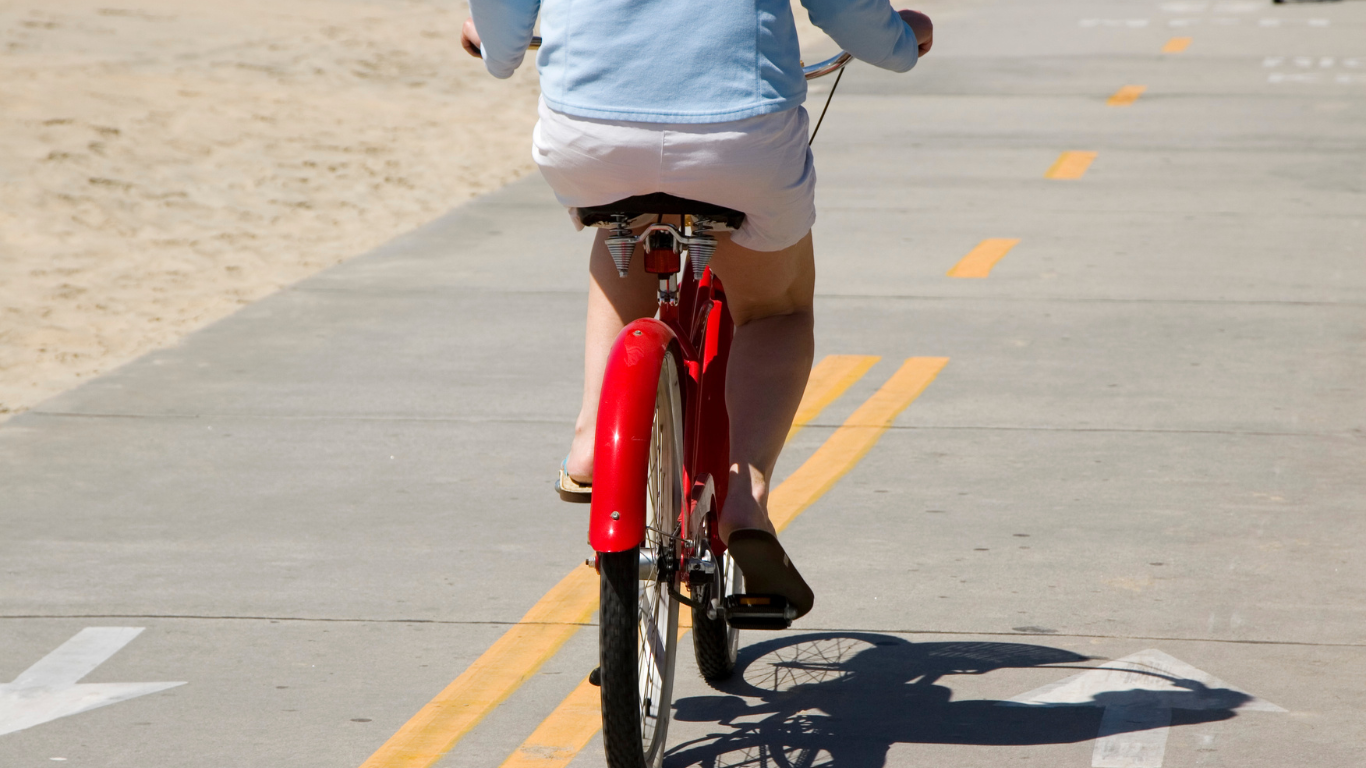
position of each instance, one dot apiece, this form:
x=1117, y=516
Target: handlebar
x=819, y=69
x=833, y=64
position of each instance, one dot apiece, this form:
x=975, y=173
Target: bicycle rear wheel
x=715, y=642
x=638, y=619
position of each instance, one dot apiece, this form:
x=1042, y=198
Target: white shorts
x=760, y=165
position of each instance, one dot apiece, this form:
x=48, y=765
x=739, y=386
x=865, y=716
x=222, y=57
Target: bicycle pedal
x=759, y=612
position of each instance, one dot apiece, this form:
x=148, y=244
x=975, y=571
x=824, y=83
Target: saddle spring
x=621, y=244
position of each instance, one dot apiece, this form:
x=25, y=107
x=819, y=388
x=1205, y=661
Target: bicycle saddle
x=657, y=203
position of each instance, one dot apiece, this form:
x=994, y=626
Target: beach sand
x=163, y=163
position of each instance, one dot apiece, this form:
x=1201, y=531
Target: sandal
x=571, y=491
x=767, y=568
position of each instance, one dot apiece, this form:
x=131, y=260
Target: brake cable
x=821, y=119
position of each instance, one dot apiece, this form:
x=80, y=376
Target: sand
x=165, y=162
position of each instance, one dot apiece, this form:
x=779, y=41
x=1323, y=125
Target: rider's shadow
x=842, y=700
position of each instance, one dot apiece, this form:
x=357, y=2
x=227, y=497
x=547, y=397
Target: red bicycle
x=661, y=463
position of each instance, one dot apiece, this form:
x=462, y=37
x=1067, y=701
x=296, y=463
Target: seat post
x=668, y=289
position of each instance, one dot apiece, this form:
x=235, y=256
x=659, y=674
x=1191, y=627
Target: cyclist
x=700, y=99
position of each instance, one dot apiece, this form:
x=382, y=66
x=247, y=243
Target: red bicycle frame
x=697, y=331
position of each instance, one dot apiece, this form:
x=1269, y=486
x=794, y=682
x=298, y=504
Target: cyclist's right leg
x=770, y=295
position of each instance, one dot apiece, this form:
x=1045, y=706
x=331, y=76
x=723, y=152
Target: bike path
x=326, y=507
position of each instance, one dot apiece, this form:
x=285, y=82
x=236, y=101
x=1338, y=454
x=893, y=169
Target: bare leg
x=771, y=295
x=613, y=302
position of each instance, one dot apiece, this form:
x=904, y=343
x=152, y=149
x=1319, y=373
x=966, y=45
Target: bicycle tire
x=715, y=643
x=637, y=617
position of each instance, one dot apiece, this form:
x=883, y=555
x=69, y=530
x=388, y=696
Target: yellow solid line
x=521, y=651
x=494, y=676
x=1126, y=95
x=1176, y=45
x=852, y=441
x=980, y=260
x=569, y=728
x=563, y=734
x=1070, y=165
x=829, y=379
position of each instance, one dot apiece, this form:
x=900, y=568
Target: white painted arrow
x=49, y=689
x=1139, y=693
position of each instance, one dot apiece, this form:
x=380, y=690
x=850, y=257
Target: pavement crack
x=561, y=422
x=797, y=630
x=301, y=619
x=1132, y=430
x=1093, y=300
x=295, y=417
x=1145, y=638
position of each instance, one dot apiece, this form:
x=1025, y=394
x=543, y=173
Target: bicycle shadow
x=843, y=699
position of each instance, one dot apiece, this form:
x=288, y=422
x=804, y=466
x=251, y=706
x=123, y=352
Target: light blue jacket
x=680, y=61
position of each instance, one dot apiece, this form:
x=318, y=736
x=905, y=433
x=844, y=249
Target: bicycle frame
x=696, y=329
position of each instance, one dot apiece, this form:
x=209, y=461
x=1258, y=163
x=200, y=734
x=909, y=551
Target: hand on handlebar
x=920, y=24
x=469, y=39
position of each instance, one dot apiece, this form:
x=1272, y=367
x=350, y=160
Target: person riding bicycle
x=699, y=99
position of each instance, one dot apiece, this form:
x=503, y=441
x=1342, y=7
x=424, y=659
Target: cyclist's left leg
x=613, y=302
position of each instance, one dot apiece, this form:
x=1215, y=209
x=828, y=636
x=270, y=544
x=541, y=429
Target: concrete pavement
x=1149, y=436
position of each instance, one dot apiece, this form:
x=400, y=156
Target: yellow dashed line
x=1126, y=95
x=1176, y=45
x=1070, y=165
x=980, y=260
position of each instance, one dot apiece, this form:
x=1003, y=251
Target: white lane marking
x=1284, y=77
x=1139, y=693
x=49, y=689
x=1130, y=23
x=1132, y=737
x=1310, y=63
x=1218, y=21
